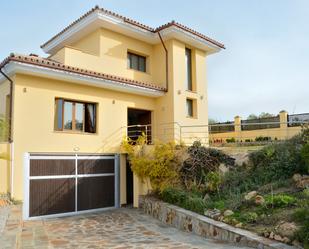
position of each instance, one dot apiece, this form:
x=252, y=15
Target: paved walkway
x=123, y=228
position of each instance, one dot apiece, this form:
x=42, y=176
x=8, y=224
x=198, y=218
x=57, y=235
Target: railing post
x=283, y=117
x=237, y=127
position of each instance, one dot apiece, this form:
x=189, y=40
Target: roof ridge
x=45, y=62
x=137, y=24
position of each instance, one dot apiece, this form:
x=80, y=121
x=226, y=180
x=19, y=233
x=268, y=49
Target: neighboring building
x=106, y=76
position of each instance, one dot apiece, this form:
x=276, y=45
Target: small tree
x=252, y=116
x=160, y=163
x=266, y=115
x=212, y=121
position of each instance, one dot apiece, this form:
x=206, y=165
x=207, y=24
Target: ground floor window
x=75, y=116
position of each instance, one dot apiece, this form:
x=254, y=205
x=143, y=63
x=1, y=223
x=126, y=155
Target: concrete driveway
x=122, y=228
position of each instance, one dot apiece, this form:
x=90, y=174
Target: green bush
x=160, y=163
x=173, y=196
x=195, y=204
x=200, y=162
x=214, y=180
x=302, y=217
x=262, y=139
x=249, y=217
x=230, y=140
x=305, y=155
x=216, y=204
x=279, y=201
x=277, y=161
x=183, y=199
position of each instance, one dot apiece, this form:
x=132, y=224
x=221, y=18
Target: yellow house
x=106, y=77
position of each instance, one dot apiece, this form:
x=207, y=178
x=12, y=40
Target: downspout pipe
x=166, y=60
x=11, y=104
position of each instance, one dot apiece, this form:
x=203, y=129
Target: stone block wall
x=200, y=225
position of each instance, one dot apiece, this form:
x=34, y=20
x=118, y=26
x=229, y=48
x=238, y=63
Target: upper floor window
x=136, y=62
x=75, y=116
x=188, y=69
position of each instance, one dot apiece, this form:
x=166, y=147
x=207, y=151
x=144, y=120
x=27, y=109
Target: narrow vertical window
x=188, y=59
x=90, y=118
x=189, y=108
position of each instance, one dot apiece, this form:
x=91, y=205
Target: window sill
x=137, y=71
x=191, y=91
x=76, y=133
x=191, y=117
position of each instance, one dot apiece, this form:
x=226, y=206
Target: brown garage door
x=68, y=184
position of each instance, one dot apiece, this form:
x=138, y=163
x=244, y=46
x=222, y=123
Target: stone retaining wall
x=200, y=225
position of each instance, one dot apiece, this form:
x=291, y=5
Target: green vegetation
x=184, y=199
x=262, y=115
x=160, y=165
x=279, y=201
x=301, y=215
x=262, y=139
x=192, y=178
x=230, y=140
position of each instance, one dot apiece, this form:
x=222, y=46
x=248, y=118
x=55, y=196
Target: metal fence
x=222, y=127
x=260, y=123
x=298, y=119
x=264, y=133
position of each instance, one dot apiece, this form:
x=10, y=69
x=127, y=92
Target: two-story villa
x=106, y=77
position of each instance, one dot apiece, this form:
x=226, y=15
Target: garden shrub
x=279, y=201
x=160, y=164
x=183, y=199
x=305, y=155
x=216, y=204
x=213, y=181
x=248, y=217
x=173, y=195
x=302, y=217
x=262, y=139
x=230, y=140
x=271, y=167
x=278, y=161
x=200, y=162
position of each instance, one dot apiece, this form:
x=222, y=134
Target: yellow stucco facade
x=103, y=51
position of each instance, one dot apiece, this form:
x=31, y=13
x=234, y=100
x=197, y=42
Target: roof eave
x=99, y=18
x=13, y=67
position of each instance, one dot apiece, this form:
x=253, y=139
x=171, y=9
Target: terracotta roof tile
x=137, y=24
x=39, y=61
x=183, y=27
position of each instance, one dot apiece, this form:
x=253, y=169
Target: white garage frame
x=76, y=157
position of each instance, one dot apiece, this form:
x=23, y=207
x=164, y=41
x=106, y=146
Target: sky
x=265, y=67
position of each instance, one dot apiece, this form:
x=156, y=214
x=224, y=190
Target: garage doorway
x=139, y=122
x=61, y=185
